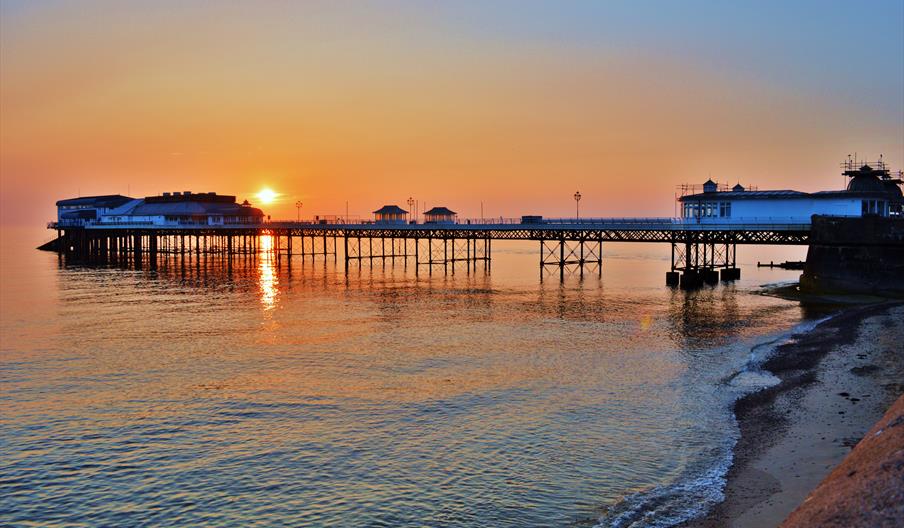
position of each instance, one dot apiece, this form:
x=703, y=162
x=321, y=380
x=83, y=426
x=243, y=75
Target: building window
x=872, y=207
x=725, y=209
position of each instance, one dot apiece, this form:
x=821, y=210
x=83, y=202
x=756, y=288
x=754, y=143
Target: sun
x=267, y=195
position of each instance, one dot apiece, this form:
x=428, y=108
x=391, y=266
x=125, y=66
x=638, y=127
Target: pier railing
x=499, y=223
x=698, y=246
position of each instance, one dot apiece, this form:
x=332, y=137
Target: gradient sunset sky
x=516, y=104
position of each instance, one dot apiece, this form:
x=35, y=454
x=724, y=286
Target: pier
x=700, y=253
x=703, y=240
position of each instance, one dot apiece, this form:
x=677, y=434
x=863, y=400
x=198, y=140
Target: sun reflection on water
x=268, y=279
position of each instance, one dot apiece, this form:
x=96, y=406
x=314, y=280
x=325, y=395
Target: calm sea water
x=290, y=393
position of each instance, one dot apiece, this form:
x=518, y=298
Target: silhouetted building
x=169, y=209
x=88, y=208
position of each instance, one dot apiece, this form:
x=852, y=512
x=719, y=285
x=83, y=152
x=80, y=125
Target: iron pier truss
x=700, y=252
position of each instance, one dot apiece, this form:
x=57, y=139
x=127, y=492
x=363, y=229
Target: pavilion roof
x=390, y=209
x=439, y=211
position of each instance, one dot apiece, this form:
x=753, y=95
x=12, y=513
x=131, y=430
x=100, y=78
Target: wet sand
x=837, y=381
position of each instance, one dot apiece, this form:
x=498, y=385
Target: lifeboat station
x=870, y=192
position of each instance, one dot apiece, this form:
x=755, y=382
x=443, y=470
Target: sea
x=291, y=392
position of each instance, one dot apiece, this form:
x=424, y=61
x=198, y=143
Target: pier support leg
x=671, y=278
x=152, y=246
x=600, y=269
x=136, y=250
x=562, y=259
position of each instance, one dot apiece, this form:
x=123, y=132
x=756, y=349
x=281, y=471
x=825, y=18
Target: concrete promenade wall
x=855, y=255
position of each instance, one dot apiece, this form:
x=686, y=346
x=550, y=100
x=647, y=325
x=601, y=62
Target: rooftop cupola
x=866, y=178
x=738, y=188
x=710, y=186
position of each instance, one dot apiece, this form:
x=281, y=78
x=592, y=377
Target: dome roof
x=866, y=183
x=892, y=188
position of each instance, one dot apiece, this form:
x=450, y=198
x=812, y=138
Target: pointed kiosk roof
x=390, y=209
x=440, y=211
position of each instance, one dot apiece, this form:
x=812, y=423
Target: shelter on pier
x=440, y=215
x=391, y=214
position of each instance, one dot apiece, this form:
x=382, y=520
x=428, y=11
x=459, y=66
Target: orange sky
x=337, y=102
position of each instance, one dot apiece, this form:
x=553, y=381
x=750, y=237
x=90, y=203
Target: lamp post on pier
x=298, y=205
x=410, y=205
x=577, y=204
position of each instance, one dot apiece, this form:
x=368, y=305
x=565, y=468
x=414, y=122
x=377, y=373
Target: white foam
x=754, y=380
x=692, y=495
x=664, y=506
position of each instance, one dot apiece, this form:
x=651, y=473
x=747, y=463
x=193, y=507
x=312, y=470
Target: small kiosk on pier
x=390, y=214
x=440, y=215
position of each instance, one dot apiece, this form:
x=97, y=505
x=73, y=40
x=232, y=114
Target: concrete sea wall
x=855, y=255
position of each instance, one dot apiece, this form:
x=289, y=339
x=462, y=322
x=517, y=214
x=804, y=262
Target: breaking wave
x=701, y=486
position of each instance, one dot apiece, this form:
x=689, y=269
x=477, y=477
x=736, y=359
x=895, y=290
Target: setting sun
x=267, y=196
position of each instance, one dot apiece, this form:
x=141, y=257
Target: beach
x=837, y=381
